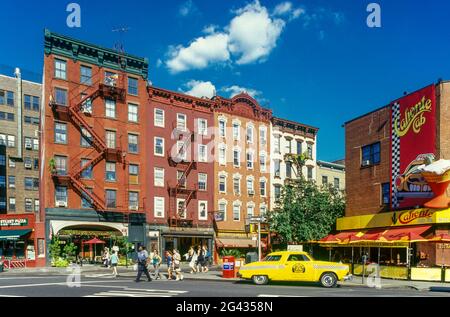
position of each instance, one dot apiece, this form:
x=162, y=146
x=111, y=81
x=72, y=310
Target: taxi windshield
x=272, y=258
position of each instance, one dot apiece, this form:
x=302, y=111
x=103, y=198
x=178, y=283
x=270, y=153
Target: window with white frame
x=236, y=158
x=236, y=131
x=110, y=108
x=159, y=146
x=223, y=210
x=181, y=121
x=60, y=69
x=181, y=208
x=132, y=112
x=276, y=144
x=12, y=140
x=202, y=181
x=222, y=128
x=250, y=134
x=133, y=200
x=237, y=185
x=250, y=210
x=237, y=212
x=262, y=162
x=11, y=163
x=202, y=210
x=202, y=126
x=262, y=135
x=181, y=178
x=250, y=186
x=2, y=139
x=133, y=143
x=202, y=153
x=60, y=133
x=35, y=144
x=111, y=171
x=110, y=139
x=159, y=118
x=262, y=210
x=159, y=176
x=262, y=187
x=158, y=207
x=222, y=183
x=222, y=154
x=181, y=150
x=250, y=159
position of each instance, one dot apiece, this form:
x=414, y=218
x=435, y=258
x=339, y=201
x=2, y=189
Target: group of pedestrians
x=111, y=260
x=198, y=259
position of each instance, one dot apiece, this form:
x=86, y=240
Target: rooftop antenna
x=119, y=45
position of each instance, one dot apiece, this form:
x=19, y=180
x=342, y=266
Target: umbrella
x=92, y=242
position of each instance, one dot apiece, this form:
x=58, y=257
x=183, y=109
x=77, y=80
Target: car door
x=298, y=267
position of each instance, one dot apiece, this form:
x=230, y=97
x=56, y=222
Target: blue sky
x=313, y=61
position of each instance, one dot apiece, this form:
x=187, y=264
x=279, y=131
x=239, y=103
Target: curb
x=439, y=289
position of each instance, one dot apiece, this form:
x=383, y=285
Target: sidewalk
x=392, y=284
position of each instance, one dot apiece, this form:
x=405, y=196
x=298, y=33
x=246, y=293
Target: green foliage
x=70, y=250
x=306, y=212
x=232, y=252
x=52, y=165
x=55, y=249
x=60, y=262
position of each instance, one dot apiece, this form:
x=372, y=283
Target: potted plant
x=52, y=166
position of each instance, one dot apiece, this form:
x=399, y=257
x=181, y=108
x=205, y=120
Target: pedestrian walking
x=106, y=257
x=142, y=264
x=169, y=261
x=114, y=262
x=200, y=258
x=192, y=257
x=156, y=262
x=177, y=265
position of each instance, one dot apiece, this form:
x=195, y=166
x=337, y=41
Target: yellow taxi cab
x=294, y=266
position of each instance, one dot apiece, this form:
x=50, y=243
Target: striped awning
x=12, y=235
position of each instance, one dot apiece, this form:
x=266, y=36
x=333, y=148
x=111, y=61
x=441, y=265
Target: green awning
x=13, y=234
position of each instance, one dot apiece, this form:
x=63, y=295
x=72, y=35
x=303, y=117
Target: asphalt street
x=105, y=286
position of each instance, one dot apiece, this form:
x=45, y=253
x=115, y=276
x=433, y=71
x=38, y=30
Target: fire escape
x=74, y=112
x=178, y=216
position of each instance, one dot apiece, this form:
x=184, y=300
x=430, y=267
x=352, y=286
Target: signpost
x=258, y=220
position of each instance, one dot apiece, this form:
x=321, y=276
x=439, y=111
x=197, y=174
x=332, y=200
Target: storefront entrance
x=184, y=243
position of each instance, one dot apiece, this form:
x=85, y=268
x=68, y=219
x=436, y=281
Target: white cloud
x=236, y=90
x=202, y=52
x=200, y=89
x=187, y=8
x=210, y=29
x=282, y=8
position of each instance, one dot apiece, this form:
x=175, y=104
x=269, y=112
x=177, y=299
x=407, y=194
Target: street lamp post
x=258, y=220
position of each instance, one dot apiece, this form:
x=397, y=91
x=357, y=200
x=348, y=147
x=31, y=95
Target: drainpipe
x=19, y=112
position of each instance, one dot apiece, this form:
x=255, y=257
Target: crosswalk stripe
x=136, y=292
x=270, y=295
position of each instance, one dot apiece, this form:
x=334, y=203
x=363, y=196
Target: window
x=298, y=258
x=36, y=205
x=36, y=164
x=250, y=211
x=132, y=112
x=159, y=118
x=222, y=154
x=10, y=116
x=27, y=102
x=110, y=108
x=236, y=212
x=202, y=127
x=181, y=121
x=28, y=205
x=12, y=204
x=386, y=194
x=202, y=210
x=36, y=103
x=262, y=188
x=159, y=207
x=310, y=151
x=324, y=180
x=85, y=75
x=236, y=131
x=222, y=128
x=86, y=106
x=61, y=196
x=60, y=133
x=11, y=181
x=371, y=154
x=2, y=97
x=336, y=183
x=10, y=99
x=28, y=163
x=111, y=78
x=60, y=69
x=3, y=160
x=181, y=179
x=250, y=160
x=35, y=183
x=262, y=136
x=61, y=165
x=159, y=146
x=277, y=192
x=11, y=141
x=133, y=200
x=61, y=96
x=28, y=143
x=2, y=139
x=222, y=184
x=110, y=171
x=133, y=143
x=262, y=210
x=202, y=181
x=159, y=177
x=2, y=181
x=87, y=172
x=181, y=207
x=262, y=162
x=276, y=168
x=310, y=173
x=223, y=210
x=202, y=150
x=237, y=185
x=276, y=144
x=111, y=198
x=86, y=202
x=250, y=134
x=111, y=139
x=288, y=145
x=299, y=147
x=250, y=187
x=132, y=86
x=288, y=169
x=181, y=150
x=35, y=144
x=86, y=138
x=31, y=120
x=133, y=171
x=236, y=160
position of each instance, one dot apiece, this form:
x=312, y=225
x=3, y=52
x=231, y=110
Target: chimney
x=19, y=112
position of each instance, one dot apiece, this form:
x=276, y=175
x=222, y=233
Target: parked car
x=294, y=266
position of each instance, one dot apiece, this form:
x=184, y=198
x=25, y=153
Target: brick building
x=19, y=166
x=92, y=134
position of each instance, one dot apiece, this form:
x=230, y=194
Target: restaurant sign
x=410, y=216
x=14, y=222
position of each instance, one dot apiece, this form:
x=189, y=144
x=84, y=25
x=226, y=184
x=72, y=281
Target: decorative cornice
x=284, y=124
x=82, y=51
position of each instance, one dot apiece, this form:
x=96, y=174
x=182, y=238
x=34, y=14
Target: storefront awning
x=12, y=235
x=235, y=243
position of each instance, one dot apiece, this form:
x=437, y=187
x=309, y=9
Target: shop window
x=370, y=154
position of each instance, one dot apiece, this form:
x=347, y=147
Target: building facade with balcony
x=241, y=169
x=290, y=138
x=92, y=143
x=20, y=102
x=181, y=171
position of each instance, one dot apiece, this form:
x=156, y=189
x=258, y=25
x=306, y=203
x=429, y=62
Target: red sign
x=413, y=140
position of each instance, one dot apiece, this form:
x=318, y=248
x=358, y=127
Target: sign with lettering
x=413, y=142
x=14, y=222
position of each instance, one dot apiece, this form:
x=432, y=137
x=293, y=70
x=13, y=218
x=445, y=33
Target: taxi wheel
x=328, y=280
x=260, y=279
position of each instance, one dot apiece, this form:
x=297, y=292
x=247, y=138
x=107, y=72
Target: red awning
x=407, y=234
x=340, y=237
x=236, y=243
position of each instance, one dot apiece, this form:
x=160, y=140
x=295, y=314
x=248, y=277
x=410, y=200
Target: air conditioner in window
x=251, y=192
x=28, y=146
x=87, y=110
x=277, y=174
x=366, y=163
x=28, y=165
x=134, y=208
x=61, y=203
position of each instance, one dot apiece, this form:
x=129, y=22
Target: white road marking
x=275, y=295
x=131, y=292
x=54, y=284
